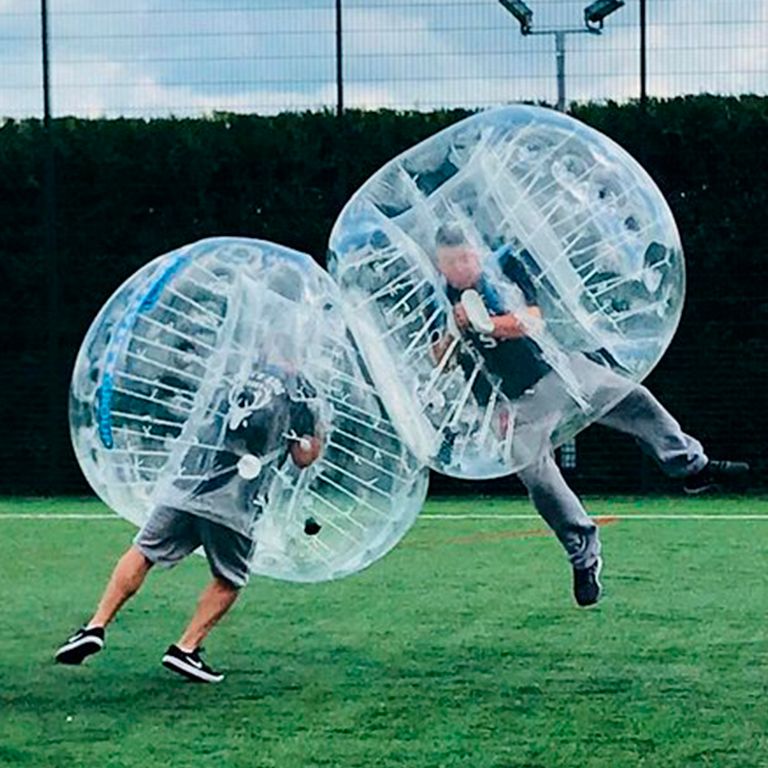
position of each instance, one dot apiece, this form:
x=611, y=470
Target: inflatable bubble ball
x=221, y=379
x=509, y=280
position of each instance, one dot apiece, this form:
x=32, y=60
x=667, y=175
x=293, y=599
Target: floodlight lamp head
x=595, y=14
x=521, y=12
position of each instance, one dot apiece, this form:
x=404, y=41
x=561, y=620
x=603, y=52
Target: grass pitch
x=461, y=648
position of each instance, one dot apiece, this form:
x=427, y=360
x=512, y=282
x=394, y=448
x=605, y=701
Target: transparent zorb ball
x=509, y=280
x=208, y=382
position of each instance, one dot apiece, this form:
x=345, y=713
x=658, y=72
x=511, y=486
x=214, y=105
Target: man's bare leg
x=127, y=576
x=184, y=657
x=126, y=579
x=215, y=600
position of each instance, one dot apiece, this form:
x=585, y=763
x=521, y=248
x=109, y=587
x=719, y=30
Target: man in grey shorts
x=170, y=534
x=267, y=421
x=525, y=376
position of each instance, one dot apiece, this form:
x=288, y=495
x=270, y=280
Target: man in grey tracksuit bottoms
x=518, y=363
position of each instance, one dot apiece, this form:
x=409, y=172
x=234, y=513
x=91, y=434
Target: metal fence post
x=339, y=62
x=50, y=259
x=643, y=60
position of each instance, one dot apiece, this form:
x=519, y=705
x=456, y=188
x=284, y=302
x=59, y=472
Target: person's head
x=456, y=258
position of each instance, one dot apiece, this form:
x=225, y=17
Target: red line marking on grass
x=532, y=533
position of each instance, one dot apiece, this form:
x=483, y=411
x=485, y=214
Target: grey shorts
x=170, y=534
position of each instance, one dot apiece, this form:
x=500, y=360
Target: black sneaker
x=586, y=583
x=84, y=643
x=718, y=476
x=190, y=665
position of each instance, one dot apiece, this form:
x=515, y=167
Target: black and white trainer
x=190, y=665
x=84, y=643
x=718, y=476
x=586, y=583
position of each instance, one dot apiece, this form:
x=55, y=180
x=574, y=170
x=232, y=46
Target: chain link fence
x=145, y=58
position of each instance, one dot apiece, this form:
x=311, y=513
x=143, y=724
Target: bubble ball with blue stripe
x=221, y=379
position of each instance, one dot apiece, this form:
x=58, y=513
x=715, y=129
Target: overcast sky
x=160, y=57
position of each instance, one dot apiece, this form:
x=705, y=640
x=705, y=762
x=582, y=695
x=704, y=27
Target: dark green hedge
x=128, y=190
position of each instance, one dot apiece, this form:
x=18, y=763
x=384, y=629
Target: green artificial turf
x=461, y=648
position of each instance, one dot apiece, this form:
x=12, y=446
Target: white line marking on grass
x=55, y=516
x=436, y=516
x=608, y=516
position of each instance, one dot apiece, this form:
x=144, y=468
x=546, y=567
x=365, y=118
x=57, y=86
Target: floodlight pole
x=594, y=16
x=560, y=54
x=560, y=57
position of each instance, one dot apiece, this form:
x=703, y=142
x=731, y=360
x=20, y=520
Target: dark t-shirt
x=517, y=363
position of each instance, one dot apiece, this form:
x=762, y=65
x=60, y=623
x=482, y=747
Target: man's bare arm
x=306, y=450
x=513, y=326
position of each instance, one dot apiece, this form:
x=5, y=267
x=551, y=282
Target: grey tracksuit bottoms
x=640, y=415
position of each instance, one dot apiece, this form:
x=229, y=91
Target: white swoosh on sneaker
x=76, y=642
x=185, y=666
